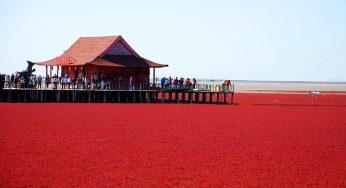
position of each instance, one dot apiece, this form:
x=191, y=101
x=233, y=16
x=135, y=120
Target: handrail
x=134, y=87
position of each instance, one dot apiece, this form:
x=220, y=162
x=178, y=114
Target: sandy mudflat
x=284, y=87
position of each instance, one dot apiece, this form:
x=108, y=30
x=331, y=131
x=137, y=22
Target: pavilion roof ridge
x=108, y=36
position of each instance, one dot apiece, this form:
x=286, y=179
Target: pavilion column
x=46, y=71
x=154, y=86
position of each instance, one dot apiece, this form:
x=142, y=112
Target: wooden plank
x=163, y=96
x=170, y=96
x=190, y=97
x=211, y=97
x=232, y=95
x=225, y=98
x=134, y=97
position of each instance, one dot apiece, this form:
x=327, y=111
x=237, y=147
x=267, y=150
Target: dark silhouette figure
x=27, y=73
x=2, y=81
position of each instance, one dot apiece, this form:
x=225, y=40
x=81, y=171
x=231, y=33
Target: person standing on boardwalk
x=132, y=83
x=163, y=81
x=33, y=81
x=7, y=81
x=93, y=81
x=181, y=82
x=68, y=82
x=84, y=82
x=2, y=81
x=16, y=80
x=22, y=82
x=194, y=83
x=169, y=82
x=39, y=81
x=55, y=81
x=79, y=81
x=63, y=81
x=188, y=83
x=47, y=81
x=12, y=80
x=175, y=82
x=228, y=84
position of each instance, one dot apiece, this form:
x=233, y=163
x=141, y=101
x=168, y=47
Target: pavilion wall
x=113, y=74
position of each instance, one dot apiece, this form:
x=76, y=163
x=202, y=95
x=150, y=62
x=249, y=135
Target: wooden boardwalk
x=116, y=96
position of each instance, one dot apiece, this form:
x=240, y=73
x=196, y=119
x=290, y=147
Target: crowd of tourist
x=175, y=83
x=19, y=81
x=190, y=84
x=79, y=82
x=99, y=81
x=64, y=82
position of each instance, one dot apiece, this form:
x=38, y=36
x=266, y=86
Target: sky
x=274, y=40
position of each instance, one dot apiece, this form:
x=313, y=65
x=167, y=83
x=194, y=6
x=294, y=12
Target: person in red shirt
x=188, y=83
x=175, y=82
x=228, y=83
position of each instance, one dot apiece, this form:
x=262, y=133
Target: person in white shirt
x=7, y=81
x=68, y=82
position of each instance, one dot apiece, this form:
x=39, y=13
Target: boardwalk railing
x=136, y=86
x=119, y=93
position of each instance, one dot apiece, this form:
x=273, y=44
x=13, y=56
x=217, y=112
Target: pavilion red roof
x=92, y=50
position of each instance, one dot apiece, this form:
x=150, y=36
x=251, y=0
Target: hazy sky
x=245, y=39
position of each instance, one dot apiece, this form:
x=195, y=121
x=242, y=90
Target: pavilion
x=108, y=55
